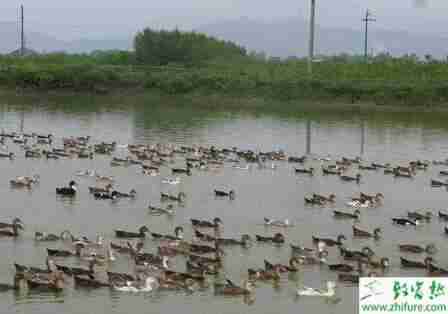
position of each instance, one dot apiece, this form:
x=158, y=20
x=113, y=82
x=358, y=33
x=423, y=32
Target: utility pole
x=308, y=136
x=22, y=33
x=311, y=43
x=367, y=19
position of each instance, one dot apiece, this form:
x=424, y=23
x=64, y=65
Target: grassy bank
x=388, y=81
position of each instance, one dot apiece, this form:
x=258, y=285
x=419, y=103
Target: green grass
x=397, y=81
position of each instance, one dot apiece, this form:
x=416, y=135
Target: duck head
x=377, y=233
x=246, y=240
x=133, y=193
x=179, y=232
x=385, y=262
x=357, y=213
x=18, y=223
x=143, y=229
x=217, y=221
x=278, y=238
x=431, y=249
x=367, y=251
x=72, y=184
x=341, y=238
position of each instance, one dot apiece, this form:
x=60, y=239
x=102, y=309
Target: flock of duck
x=204, y=253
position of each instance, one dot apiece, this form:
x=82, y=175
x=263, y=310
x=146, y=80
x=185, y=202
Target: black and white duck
x=69, y=190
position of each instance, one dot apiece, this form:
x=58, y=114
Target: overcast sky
x=112, y=18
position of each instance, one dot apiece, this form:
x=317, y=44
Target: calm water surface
x=389, y=136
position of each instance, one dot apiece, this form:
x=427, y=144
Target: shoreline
x=208, y=100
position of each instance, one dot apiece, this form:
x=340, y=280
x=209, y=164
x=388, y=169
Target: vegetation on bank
x=185, y=63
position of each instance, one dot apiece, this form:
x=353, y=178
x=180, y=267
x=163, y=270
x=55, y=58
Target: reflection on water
x=380, y=135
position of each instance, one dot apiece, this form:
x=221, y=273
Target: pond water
x=381, y=136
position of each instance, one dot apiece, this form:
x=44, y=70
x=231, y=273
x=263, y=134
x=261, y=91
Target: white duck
x=246, y=167
x=172, y=181
x=277, y=223
x=330, y=292
x=358, y=204
x=150, y=284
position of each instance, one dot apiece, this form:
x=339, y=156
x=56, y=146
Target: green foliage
x=165, y=47
x=213, y=66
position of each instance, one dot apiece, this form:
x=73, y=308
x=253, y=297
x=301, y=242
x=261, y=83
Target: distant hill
x=282, y=38
x=289, y=37
x=9, y=41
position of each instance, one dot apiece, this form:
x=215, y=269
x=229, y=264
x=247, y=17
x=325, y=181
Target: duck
x=443, y=215
x=105, y=196
x=67, y=191
x=359, y=203
x=294, y=159
x=370, y=167
x=207, y=224
x=15, y=220
x=300, y=250
x=199, y=268
x=232, y=290
x=245, y=241
x=353, y=278
x=330, y=292
x=240, y=167
x=157, y=211
x=355, y=215
x=406, y=263
x=178, y=235
x=53, y=281
x=436, y=270
x=346, y=178
x=362, y=255
x=412, y=248
x=78, y=271
x=291, y=267
x=383, y=263
x=277, y=223
x=168, y=197
x=7, y=155
x=328, y=171
x=65, y=253
x=204, y=236
x=125, y=234
x=15, y=226
x=85, y=173
x=319, y=258
x=419, y=216
x=361, y=233
x=148, y=285
x=326, y=199
x=95, y=189
x=47, y=237
x=105, y=179
x=278, y=238
x=186, y=171
x=329, y=241
x=374, y=199
x=405, y=221
x=309, y=171
x=314, y=201
x=220, y=193
x=132, y=194
x=172, y=181
x=89, y=283
x=346, y=268
x=23, y=181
